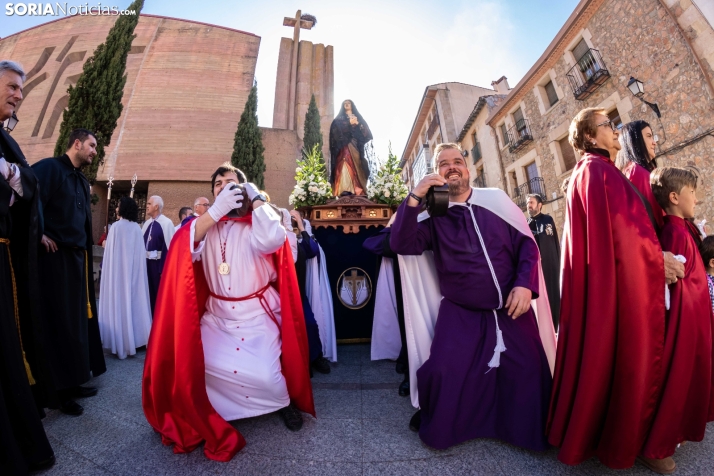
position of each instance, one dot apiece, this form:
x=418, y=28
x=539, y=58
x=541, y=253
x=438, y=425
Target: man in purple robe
x=158, y=231
x=486, y=373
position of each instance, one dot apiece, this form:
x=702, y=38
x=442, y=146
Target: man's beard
x=456, y=189
x=85, y=157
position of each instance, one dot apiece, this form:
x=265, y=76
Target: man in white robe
x=242, y=338
x=124, y=305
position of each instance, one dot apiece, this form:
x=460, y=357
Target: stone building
x=666, y=44
x=480, y=141
x=442, y=113
x=187, y=84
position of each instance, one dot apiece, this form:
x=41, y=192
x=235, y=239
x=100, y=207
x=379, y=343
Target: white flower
x=386, y=193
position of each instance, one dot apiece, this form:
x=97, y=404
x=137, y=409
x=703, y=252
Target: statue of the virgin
x=349, y=133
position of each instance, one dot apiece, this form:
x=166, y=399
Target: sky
x=386, y=51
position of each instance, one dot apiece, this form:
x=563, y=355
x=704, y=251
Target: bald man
x=158, y=231
x=200, y=206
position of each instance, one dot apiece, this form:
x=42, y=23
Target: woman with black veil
x=349, y=133
x=636, y=160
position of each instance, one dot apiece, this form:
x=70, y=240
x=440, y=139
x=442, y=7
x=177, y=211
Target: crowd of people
x=598, y=343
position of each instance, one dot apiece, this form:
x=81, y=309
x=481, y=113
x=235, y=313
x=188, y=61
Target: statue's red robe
x=174, y=394
x=608, y=371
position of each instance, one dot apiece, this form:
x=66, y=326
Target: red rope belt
x=259, y=294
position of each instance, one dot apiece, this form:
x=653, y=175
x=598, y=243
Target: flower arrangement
x=311, y=187
x=387, y=186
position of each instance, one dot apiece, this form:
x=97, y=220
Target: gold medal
x=224, y=268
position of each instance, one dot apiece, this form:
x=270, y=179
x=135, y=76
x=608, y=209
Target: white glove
x=4, y=168
x=251, y=190
x=15, y=181
x=226, y=201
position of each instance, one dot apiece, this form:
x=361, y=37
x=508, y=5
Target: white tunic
x=241, y=343
x=124, y=306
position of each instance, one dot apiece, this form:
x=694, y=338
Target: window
x=532, y=171
x=614, y=117
x=476, y=151
x=514, y=183
x=550, y=92
x=586, y=61
x=504, y=134
x=480, y=180
x=535, y=182
x=518, y=119
x=419, y=167
x=580, y=50
x=568, y=153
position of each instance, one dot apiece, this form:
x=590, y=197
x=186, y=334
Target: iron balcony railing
x=588, y=74
x=519, y=135
x=480, y=181
x=476, y=152
x=534, y=185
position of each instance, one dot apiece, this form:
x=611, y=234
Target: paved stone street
x=362, y=428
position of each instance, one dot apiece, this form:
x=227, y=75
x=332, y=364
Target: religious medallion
x=354, y=288
x=224, y=268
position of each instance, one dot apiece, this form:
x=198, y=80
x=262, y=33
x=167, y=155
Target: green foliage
x=313, y=134
x=95, y=102
x=312, y=187
x=248, y=144
x=387, y=186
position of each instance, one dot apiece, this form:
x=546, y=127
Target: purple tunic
x=459, y=397
x=154, y=267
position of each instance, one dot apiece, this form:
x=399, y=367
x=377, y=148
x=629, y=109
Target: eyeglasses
x=610, y=123
x=202, y=205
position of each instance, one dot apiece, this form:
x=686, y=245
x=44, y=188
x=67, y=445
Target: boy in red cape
x=228, y=339
x=687, y=401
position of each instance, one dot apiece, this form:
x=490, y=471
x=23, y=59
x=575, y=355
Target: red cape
x=687, y=399
x=608, y=369
x=640, y=178
x=174, y=394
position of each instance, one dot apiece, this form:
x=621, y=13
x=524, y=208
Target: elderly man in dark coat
x=24, y=444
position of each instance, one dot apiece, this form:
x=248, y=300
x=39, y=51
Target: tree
x=95, y=102
x=313, y=134
x=248, y=144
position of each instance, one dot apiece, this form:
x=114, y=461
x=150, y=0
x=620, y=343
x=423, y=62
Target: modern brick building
x=187, y=84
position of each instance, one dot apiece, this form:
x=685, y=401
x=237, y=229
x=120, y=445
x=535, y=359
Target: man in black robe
x=23, y=443
x=72, y=346
x=546, y=236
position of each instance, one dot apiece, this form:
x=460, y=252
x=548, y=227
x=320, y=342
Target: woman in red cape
x=174, y=394
x=608, y=369
x=636, y=160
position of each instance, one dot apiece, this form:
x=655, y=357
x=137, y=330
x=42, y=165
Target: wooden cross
x=297, y=23
x=353, y=282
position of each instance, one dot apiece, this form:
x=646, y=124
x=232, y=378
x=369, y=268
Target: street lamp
x=10, y=122
x=637, y=88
